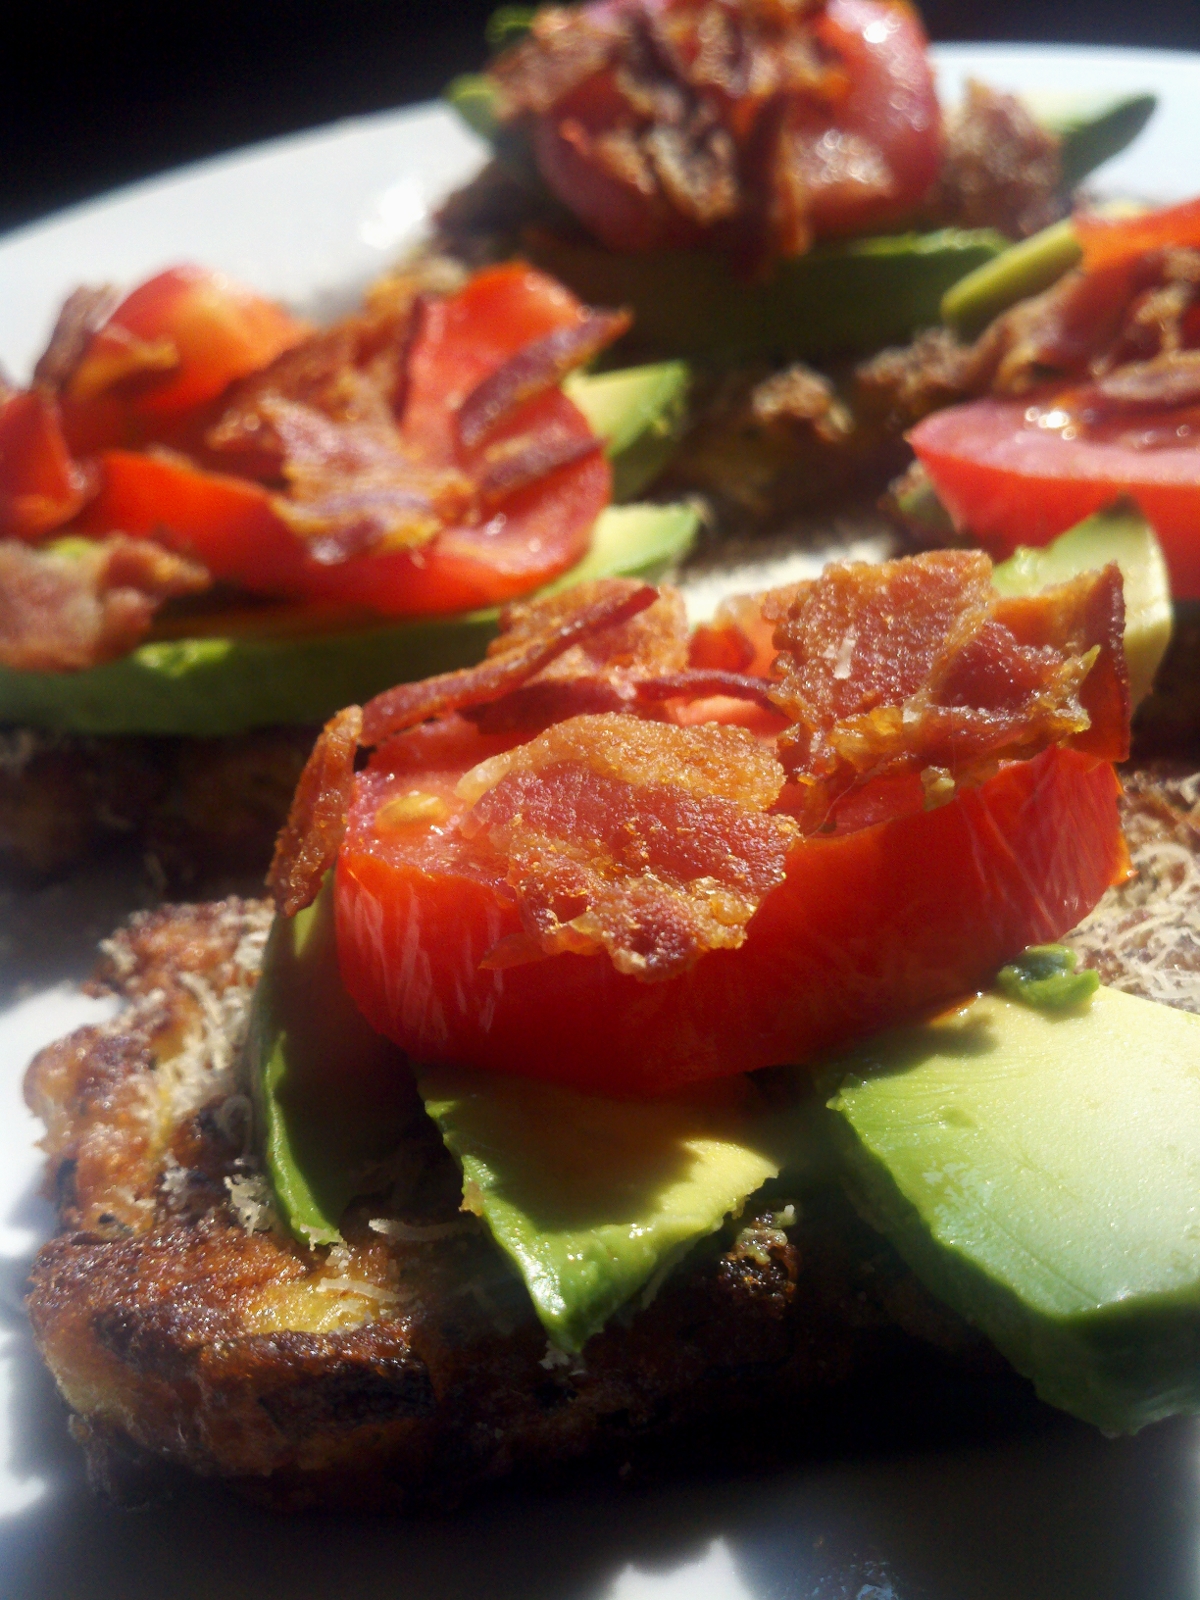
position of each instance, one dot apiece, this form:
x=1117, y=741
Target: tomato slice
x=184, y=335
x=1010, y=481
x=522, y=541
x=872, y=154
x=870, y=927
x=891, y=104
x=1109, y=240
x=227, y=523
x=41, y=486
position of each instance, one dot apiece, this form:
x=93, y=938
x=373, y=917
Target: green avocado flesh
x=847, y=298
x=595, y=1200
x=226, y=684
x=640, y=412
x=1093, y=127
x=1121, y=535
x=1022, y=270
x=321, y=1130
x=1040, y=1170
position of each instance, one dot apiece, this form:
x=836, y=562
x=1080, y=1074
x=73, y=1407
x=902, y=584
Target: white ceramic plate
x=1045, y=1511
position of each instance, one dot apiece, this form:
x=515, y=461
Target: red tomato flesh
x=870, y=927
x=227, y=523
x=1010, y=482
x=522, y=542
x=888, y=113
x=218, y=331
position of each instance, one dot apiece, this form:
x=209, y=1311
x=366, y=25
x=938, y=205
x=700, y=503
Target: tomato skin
x=227, y=523
x=41, y=486
x=528, y=538
x=891, y=101
x=1108, y=240
x=869, y=928
x=219, y=331
x=1010, y=483
x=536, y=534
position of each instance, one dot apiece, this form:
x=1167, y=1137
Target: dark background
x=97, y=92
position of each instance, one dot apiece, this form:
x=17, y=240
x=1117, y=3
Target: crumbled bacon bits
x=650, y=842
x=312, y=835
x=66, y=608
x=918, y=666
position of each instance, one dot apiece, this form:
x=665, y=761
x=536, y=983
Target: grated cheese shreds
x=1144, y=936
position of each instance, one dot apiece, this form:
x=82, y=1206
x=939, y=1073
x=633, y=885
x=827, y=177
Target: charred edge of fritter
x=202, y=811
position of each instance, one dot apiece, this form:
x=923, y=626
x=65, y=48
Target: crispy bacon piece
x=546, y=699
x=650, y=842
x=527, y=459
x=84, y=312
x=918, y=666
x=1000, y=168
x=540, y=366
x=312, y=835
x=354, y=488
x=350, y=372
x=602, y=672
x=542, y=630
x=63, y=610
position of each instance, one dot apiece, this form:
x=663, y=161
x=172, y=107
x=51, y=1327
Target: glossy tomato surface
x=1010, y=481
x=516, y=544
x=870, y=927
x=184, y=336
x=885, y=120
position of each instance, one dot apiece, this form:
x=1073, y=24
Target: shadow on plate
x=1048, y=1511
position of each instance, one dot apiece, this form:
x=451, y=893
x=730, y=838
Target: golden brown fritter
x=406, y=1365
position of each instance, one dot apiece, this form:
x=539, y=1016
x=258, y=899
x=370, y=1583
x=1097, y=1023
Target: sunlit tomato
x=870, y=926
x=518, y=543
x=891, y=105
x=181, y=338
x=1011, y=480
x=867, y=152
x=226, y=523
x=1108, y=240
x=535, y=535
x=41, y=487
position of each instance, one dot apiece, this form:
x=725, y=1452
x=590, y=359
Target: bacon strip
x=533, y=706
x=533, y=459
x=353, y=486
x=540, y=366
x=649, y=842
x=918, y=666
x=311, y=837
x=567, y=619
x=63, y=610
x=84, y=312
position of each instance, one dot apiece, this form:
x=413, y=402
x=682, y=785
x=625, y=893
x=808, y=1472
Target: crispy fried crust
x=406, y=1366
x=390, y=1370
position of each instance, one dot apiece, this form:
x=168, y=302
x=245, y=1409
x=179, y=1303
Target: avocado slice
x=1123, y=535
x=845, y=298
x=1039, y=1170
x=594, y=1200
x=227, y=684
x=1022, y=270
x=640, y=413
x=320, y=1130
x=1093, y=127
